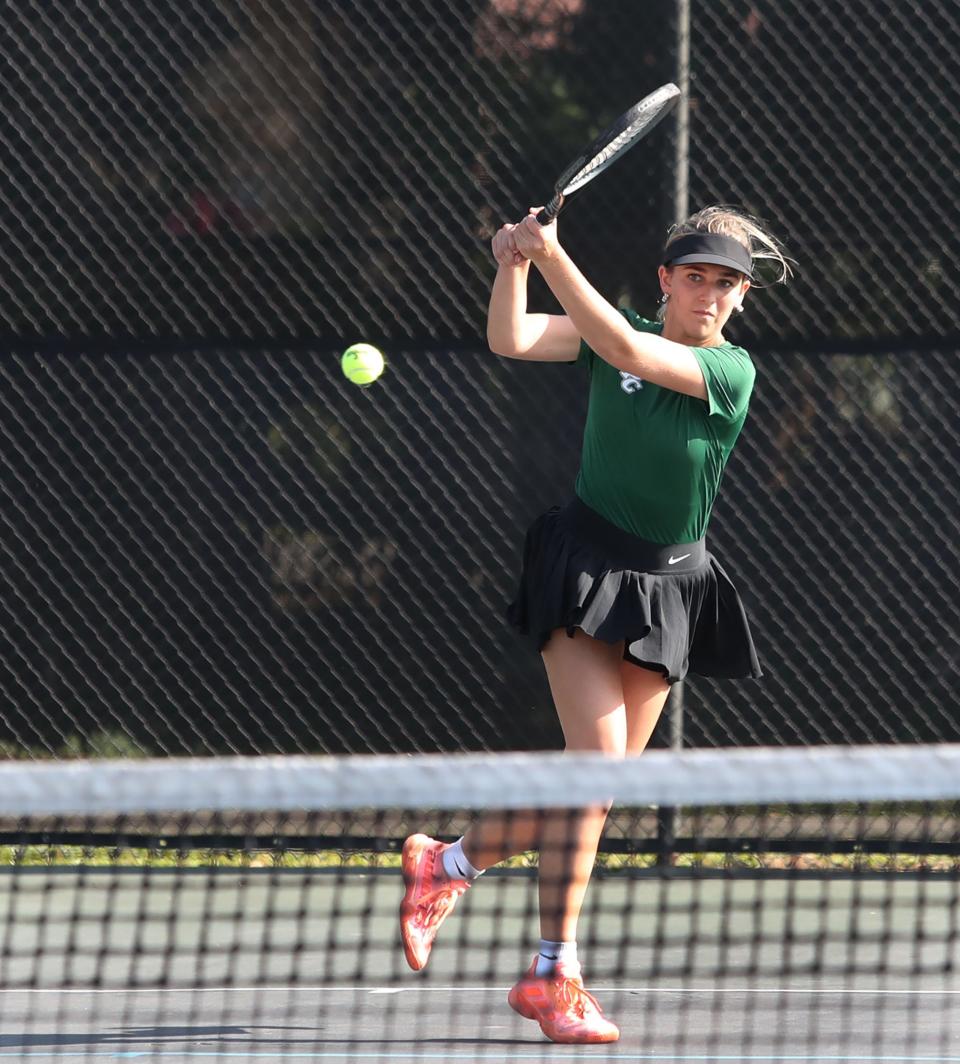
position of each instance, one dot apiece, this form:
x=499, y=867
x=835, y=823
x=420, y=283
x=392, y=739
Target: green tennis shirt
x=653, y=459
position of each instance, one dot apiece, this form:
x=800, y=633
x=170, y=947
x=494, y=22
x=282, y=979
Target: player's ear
x=744, y=288
x=666, y=278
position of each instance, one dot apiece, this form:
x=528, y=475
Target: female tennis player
x=618, y=589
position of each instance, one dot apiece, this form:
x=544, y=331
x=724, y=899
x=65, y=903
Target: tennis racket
x=630, y=128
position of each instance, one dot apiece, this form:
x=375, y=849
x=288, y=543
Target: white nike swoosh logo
x=673, y=561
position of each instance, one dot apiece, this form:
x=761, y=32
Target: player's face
x=702, y=298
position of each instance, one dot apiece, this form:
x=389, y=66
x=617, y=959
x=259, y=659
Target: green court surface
x=290, y=965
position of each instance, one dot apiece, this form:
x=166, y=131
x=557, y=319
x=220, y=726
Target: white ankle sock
x=553, y=953
x=456, y=865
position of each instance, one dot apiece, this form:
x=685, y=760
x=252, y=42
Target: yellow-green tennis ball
x=362, y=363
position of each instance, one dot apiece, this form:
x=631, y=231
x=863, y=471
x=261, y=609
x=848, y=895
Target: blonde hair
x=749, y=231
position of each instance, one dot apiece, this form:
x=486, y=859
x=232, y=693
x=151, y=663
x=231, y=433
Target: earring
x=738, y=309
x=664, y=297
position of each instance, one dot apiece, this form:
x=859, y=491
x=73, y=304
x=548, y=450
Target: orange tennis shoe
x=562, y=1006
x=429, y=897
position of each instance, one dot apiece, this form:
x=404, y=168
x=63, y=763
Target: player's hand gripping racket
x=631, y=127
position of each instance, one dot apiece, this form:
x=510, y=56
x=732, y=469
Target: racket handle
x=552, y=209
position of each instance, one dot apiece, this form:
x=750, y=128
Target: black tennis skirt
x=674, y=607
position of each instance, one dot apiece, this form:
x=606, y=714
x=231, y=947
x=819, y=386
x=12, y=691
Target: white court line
x=706, y=1058
x=428, y=987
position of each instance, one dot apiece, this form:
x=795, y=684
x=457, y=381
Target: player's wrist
x=550, y=257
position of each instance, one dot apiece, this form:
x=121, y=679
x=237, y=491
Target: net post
x=667, y=815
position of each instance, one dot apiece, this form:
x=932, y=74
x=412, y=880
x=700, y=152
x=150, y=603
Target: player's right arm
x=511, y=331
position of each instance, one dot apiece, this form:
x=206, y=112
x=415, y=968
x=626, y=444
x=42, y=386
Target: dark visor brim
x=715, y=260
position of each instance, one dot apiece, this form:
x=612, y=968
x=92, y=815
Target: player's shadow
x=143, y=1037
x=120, y=1037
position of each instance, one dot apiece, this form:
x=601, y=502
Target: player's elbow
x=504, y=346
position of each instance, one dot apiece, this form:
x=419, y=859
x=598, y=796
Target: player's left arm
x=604, y=330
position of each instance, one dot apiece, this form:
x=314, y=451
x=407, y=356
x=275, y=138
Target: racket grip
x=552, y=209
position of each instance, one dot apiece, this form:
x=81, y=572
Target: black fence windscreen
x=213, y=543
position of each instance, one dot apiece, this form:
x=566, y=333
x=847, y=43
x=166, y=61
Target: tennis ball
x=362, y=363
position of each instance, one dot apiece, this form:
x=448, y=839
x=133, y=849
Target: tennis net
x=747, y=905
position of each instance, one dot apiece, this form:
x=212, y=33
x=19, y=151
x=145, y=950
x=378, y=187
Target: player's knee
x=610, y=745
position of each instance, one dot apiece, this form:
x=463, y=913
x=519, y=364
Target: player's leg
x=585, y=682
x=645, y=693
x=436, y=875
x=607, y=704
x=642, y=692
x=499, y=834
x=584, y=676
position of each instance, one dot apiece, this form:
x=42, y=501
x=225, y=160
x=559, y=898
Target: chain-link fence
x=303, y=171
x=213, y=543
x=232, y=551
x=837, y=119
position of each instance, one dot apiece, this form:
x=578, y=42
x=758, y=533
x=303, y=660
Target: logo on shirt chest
x=629, y=383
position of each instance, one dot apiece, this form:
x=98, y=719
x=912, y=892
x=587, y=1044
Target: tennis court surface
x=790, y=905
